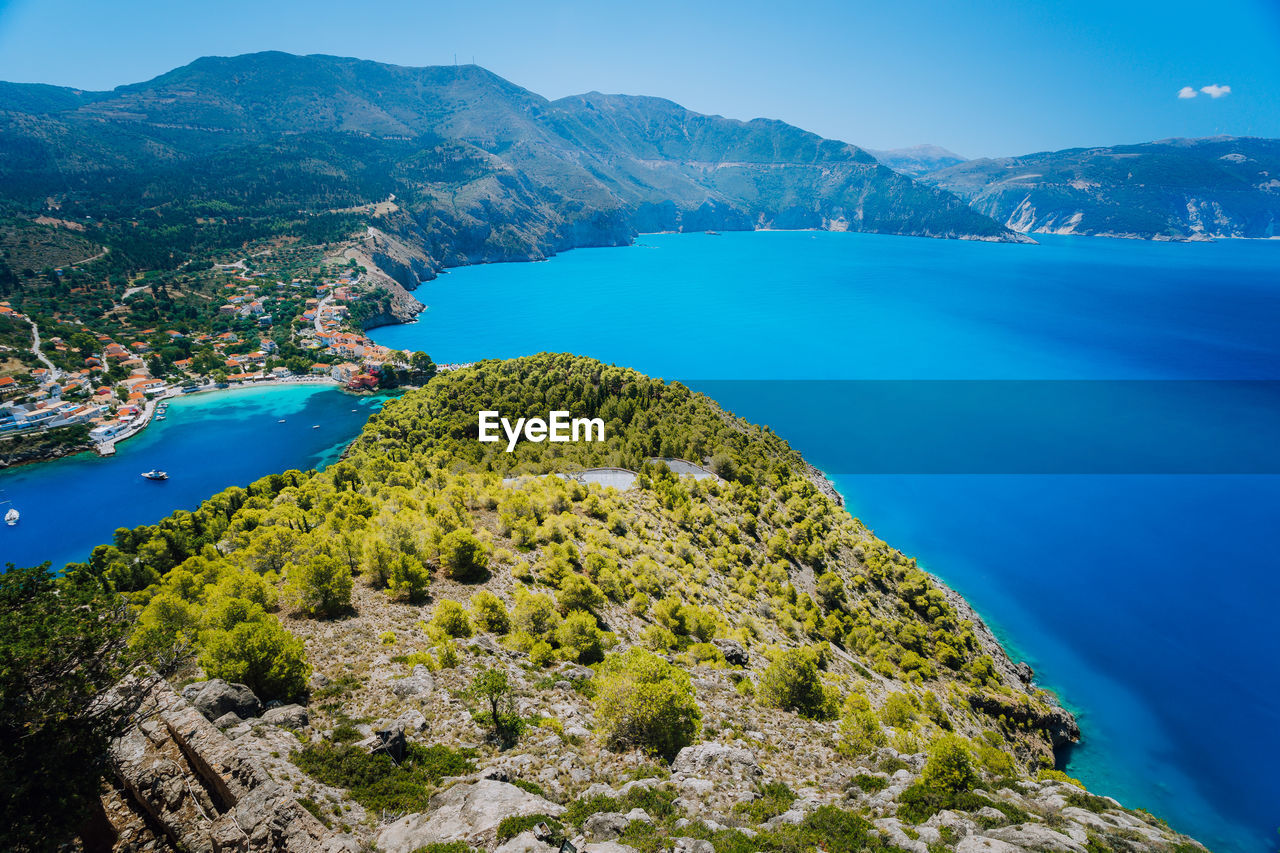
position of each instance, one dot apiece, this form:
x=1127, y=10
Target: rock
x=891, y=827
x=716, y=760
x=607, y=847
x=413, y=721
x=643, y=784
x=990, y=812
x=217, y=697
x=577, y=732
x=525, y=842
x=981, y=844
x=958, y=824
x=640, y=815
x=604, y=826
x=599, y=789
x=734, y=653
x=692, y=845
x=288, y=716
x=390, y=740
x=228, y=720
x=466, y=812
x=419, y=683
x=1035, y=836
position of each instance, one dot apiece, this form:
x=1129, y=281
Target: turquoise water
x=1145, y=598
x=206, y=443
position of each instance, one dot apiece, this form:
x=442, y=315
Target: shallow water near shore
x=1144, y=595
x=206, y=443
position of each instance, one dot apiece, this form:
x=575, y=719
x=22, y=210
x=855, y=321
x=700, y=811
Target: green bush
x=489, y=613
x=512, y=826
x=451, y=619
x=870, y=784
x=580, y=639
x=262, y=655
x=463, y=556
x=321, y=586
x=643, y=701
x=577, y=592
x=772, y=799
x=792, y=682
x=534, y=613
x=949, y=766
x=375, y=781
x=898, y=710
x=860, y=733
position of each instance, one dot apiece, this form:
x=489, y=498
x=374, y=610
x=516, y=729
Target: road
x=35, y=350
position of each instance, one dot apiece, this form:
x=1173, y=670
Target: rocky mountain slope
x=917, y=160
x=480, y=169
x=1177, y=189
x=459, y=647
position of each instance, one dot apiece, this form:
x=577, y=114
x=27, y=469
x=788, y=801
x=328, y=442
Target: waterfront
x=206, y=443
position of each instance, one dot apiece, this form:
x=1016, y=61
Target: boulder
x=217, y=697
x=419, y=683
x=288, y=716
x=640, y=815
x=734, y=653
x=467, y=812
x=692, y=845
x=982, y=844
x=712, y=760
x=390, y=740
x=607, y=847
x=604, y=826
x=525, y=842
x=228, y=720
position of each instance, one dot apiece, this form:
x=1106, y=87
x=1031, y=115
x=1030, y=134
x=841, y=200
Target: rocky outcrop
x=182, y=780
x=468, y=812
x=716, y=759
x=216, y=698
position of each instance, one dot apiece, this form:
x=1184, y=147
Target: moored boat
x=11, y=517
x=155, y=474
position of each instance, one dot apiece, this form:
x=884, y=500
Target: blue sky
x=990, y=78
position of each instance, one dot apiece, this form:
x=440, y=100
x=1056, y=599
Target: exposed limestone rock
x=604, y=826
x=734, y=653
x=466, y=812
x=216, y=697
x=982, y=844
x=289, y=716
x=709, y=760
x=525, y=842
x=1036, y=837
x=419, y=683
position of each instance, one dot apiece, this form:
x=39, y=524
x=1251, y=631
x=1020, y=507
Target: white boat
x=315, y=426
x=154, y=474
x=11, y=517
x=280, y=421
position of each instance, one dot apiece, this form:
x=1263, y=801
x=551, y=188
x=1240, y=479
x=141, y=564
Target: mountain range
x=1173, y=189
x=480, y=169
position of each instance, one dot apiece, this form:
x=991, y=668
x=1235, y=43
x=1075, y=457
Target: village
x=115, y=391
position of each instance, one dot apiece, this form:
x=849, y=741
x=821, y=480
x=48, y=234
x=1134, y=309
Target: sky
x=989, y=78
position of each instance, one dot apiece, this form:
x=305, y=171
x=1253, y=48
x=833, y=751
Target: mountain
x=479, y=168
x=482, y=645
x=917, y=160
x=1173, y=189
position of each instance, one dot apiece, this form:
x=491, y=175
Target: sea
x=1081, y=436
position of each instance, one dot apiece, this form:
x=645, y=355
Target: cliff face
x=1180, y=189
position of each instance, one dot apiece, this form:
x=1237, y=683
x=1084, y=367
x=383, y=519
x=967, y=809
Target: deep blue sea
x=206, y=443
x=1099, y=478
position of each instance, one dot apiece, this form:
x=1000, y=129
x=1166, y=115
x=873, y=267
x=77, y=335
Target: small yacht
x=11, y=517
x=315, y=426
x=280, y=421
x=155, y=474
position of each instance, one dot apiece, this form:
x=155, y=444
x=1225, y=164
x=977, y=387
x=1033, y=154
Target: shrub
x=512, y=826
x=262, y=655
x=580, y=639
x=321, y=586
x=375, y=781
x=534, y=613
x=860, y=733
x=870, y=784
x=577, y=592
x=541, y=654
x=489, y=613
x=773, y=798
x=451, y=619
x=493, y=688
x=658, y=638
x=463, y=556
x=898, y=710
x=643, y=701
x=792, y=682
x=949, y=766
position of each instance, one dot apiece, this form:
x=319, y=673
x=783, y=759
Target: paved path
x=38, y=353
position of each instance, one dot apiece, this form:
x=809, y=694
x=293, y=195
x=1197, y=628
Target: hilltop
x=479, y=649
x=1175, y=189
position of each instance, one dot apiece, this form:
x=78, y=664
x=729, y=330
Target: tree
x=489, y=613
x=451, y=619
x=262, y=655
x=949, y=766
x=63, y=646
x=791, y=682
x=577, y=592
x=580, y=639
x=494, y=688
x=643, y=701
x=463, y=556
x=321, y=586
x=534, y=613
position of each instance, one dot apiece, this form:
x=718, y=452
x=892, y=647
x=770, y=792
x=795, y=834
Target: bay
x=206, y=443
x=1144, y=596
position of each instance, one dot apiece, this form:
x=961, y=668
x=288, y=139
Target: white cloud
x=1216, y=91
x=1186, y=92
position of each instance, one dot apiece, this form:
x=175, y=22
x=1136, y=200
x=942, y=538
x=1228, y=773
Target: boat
x=159, y=417
x=280, y=421
x=154, y=474
x=315, y=426
x=712, y=233
x=11, y=517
